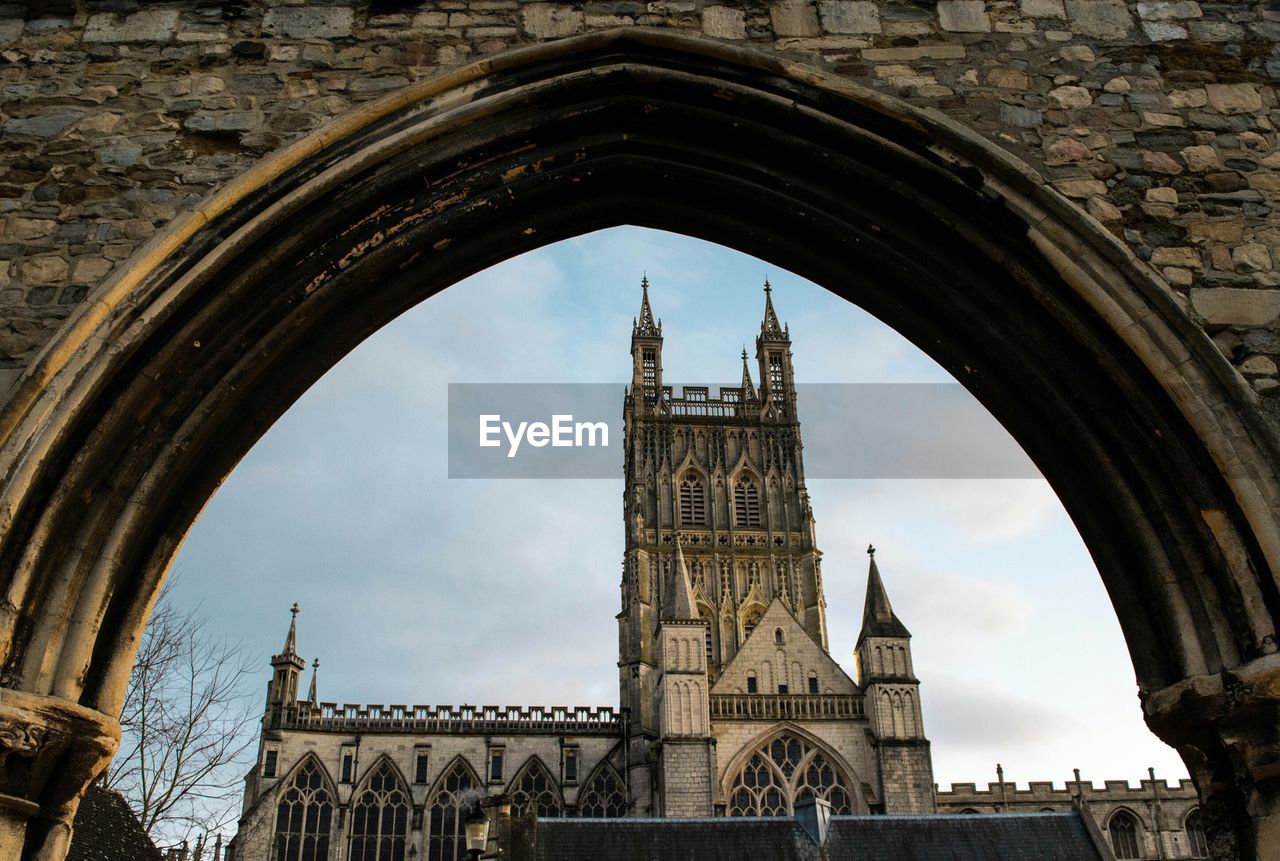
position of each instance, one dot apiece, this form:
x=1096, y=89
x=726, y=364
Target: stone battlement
x=464, y=719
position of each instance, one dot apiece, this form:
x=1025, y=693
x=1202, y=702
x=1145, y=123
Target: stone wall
x=1157, y=117
x=1161, y=809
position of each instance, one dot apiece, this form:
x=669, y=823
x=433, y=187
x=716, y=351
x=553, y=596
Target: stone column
x=50, y=751
x=1226, y=728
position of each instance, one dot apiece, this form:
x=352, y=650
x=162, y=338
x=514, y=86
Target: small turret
x=892, y=695
x=286, y=668
x=773, y=352
x=748, y=387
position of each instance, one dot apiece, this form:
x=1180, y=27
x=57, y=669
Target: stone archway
x=124, y=426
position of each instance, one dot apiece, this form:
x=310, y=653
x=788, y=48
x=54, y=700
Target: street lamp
x=477, y=825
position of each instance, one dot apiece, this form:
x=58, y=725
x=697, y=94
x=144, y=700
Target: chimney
x=814, y=816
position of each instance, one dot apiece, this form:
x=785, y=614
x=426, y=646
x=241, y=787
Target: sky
x=416, y=588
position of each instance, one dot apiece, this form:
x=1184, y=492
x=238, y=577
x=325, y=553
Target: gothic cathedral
x=730, y=702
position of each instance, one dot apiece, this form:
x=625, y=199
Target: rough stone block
x=1081, y=188
x=724, y=22
x=46, y=269
x=794, y=19
x=1187, y=258
x=1234, y=98
x=963, y=16
x=1043, y=9
x=44, y=125
x=1163, y=31
x=1070, y=97
x=1102, y=19
x=1008, y=79
x=1163, y=10
x=309, y=22
x=552, y=21
x=1234, y=306
x=1200, y=158
x=849, y=16
x=150, y=25
x=1253, y=257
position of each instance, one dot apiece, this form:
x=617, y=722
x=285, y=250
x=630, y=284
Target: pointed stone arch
x=305, y=801
x=380, y=814
x=784, y=764
x=445, y=835
x=603, y=794
x=534, y=788
x=120, y=430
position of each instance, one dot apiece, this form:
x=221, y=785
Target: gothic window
x=496, y=762
x=777, y=637
x=775, y=376
x=420, y=761
x=604, y=796
x=746, y=503
x=380, y=818
x=269, y=763
x=813, y=684
x=752, y=684
x=783, y=771
x=348, y=762
x=1196, y=841
x=446, y=832
x=571, y=765
x=535, y=790
x=303, y=817
x=1123, y=829
x=693, y=502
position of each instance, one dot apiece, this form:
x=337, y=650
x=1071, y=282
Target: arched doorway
x=126, y=424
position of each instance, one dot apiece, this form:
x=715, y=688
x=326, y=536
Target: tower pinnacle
x=291, y=640
x=677, y=602
x=646, y=326
x=770, y=325
x=878, y=618
x=315, y=670
x=748, y=387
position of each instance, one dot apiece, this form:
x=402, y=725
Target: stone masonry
x=1156, y=117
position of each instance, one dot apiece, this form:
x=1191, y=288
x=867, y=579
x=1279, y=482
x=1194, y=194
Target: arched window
x=1197, y=843
x=746, y=503
x=303, y=816
x=693, y=502
x=380, y=817
x=446, y=834
x=604, y=796
x=783, y=771
x=1123, y=829
x=535, y=789
x=778, y=639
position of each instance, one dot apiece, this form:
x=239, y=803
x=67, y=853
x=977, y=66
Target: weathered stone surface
x=551, y=21
x=794, y=19
x=1187, y=258
x=1009, y=79
x=1160, y=162
x=1066, y=151
x=1163, y=31
x=1102, y=19
x=1200, y=158
x=963, y=16
x=724, y=22
x=309, y=22
x=849, y=16
x=1231, y=306
x=1234, y=98
x=1163, y=10
x=1253, y=257
x=44, y=125
x=1043, y=8
x=1071, y=97
x=44, y=270
x=149, y=25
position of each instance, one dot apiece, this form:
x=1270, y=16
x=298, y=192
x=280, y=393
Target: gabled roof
x=760, y=647
x=878, y=618
x=107, y=830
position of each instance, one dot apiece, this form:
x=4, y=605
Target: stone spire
x=291, y=639
x=748, y=387
x=878, y=618
x=646, y=326
x=315, y=670
x=677, y=600
x=770, y=327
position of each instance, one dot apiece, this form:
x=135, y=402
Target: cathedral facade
x=730, y=701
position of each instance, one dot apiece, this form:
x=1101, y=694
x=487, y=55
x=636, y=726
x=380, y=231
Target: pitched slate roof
x=1061, y=836
x=107, y=830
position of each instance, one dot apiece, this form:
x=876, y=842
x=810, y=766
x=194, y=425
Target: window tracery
x=446, y=834
x=693, y=502
x=1196, y=840
x=303, y=817
x=535, y=790
x=604, y=796
x=783, y=771
x=1123, y=830
x=380, y=818
x=746, y=503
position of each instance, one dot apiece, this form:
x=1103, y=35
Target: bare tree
x=189, y=726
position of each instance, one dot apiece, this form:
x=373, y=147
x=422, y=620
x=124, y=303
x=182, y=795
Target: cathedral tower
x=720, y=478
x=888, y=680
